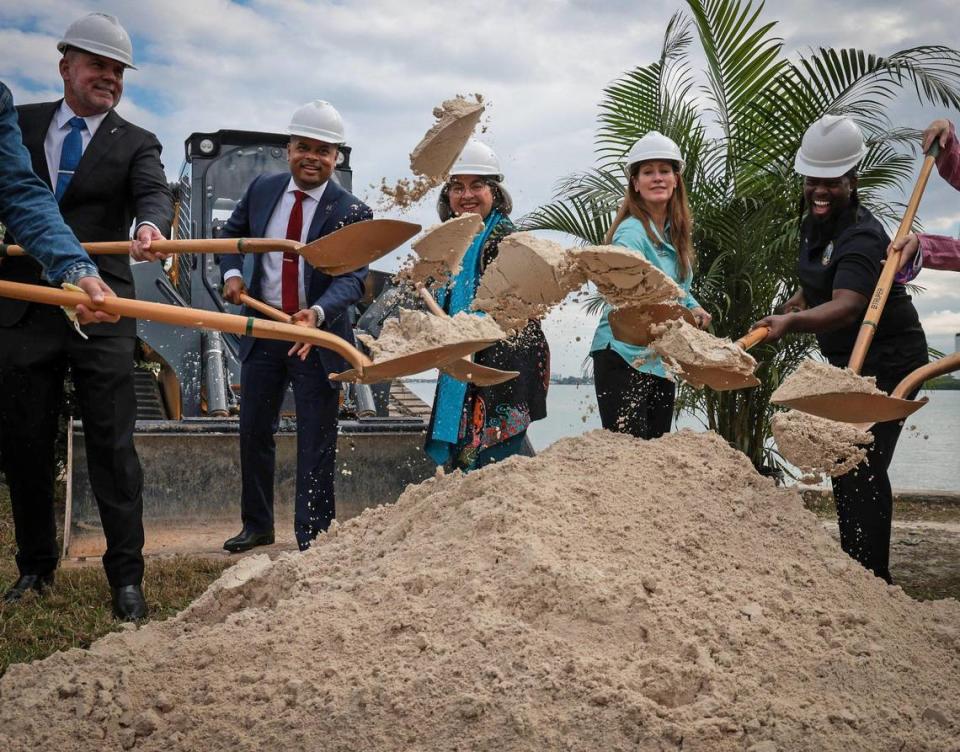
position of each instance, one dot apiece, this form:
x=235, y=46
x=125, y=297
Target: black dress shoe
x=128, y=603
x=247, y=540
x=39, y=583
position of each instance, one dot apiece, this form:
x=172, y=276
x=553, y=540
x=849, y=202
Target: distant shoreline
x=565, y=380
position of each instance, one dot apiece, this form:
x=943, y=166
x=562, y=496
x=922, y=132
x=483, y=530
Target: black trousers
x=864, y=497
x=34, y=356
x=629, y=400
x=264, y=377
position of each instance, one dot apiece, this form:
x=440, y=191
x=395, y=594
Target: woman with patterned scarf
x=472, y=426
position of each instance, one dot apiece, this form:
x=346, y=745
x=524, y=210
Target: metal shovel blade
x=855, y=407
x=465, y=370
x=356, y=245
x=718, y=379
x=407, y=365
x=632, y=324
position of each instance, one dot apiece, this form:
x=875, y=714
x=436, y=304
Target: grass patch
x=76, y=611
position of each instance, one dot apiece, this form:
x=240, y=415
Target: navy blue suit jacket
x=334, y=295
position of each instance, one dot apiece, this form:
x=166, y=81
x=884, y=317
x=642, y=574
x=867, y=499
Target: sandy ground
x=608, y=594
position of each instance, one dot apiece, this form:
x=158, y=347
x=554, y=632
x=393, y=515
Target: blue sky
x=210, y=64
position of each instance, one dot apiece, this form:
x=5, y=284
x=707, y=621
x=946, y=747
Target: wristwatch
x=320, y=314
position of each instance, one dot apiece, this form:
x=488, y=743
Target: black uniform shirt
x=845, y=254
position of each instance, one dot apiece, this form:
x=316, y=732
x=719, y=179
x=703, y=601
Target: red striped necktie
x=290, y=276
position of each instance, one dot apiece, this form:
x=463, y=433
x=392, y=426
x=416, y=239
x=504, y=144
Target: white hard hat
x=100, y=34
x=477, y=159
x=831, y=147
x=654, y=145
x=318, y=120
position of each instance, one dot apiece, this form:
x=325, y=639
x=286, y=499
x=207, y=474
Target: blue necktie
x=70, y=154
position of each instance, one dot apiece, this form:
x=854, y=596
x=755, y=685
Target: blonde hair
x=678, y=213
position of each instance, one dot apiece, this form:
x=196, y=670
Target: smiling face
x=92, y=84
x=825, y=197
x=311, y=161
x=470, y=193
x=655, y=181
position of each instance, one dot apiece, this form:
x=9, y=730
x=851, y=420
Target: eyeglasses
x=458, y=189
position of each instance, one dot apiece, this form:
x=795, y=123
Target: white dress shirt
x=271, y=283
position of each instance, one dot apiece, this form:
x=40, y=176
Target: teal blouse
x=631, y=234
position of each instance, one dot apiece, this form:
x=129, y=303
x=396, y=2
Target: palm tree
x=744, y=194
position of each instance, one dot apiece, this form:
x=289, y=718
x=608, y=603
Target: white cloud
x=942, y=322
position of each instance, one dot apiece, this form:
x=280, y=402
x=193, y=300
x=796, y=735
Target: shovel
x=267, y=310
x=632, y=324
x=385, y=369
x=881, y=407
x=861, y=408
x=363, y=371
x=407, y=365
x=345, y=250
x=190, y=317
x=465, y=369
x=720, y=379
x=462, y=370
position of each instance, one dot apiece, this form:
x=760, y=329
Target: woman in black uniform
x=841, y=249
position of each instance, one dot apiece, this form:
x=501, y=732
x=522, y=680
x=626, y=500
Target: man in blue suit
x=302, y=206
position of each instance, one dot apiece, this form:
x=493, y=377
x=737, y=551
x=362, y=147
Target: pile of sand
x=814, y=377
x=439, y=148
x=415, y=331
x=611, y=594
x=684, y=347
x=624, y=277
x=529, y=276
x=819, y=446
x=440, y=250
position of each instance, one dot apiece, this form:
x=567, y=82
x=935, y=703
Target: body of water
x=927, y=456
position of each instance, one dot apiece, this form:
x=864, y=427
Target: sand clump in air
x=433, y=157
x=610, y=593
x=680, y=344
x=818, y=446
x=415, y=331
x=529, y=276
x=405, y=193
x=814, y=377
x=440, y=250
x=441, y=145
x=625, y=277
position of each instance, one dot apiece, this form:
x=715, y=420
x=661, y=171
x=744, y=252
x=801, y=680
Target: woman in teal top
x=634, y=394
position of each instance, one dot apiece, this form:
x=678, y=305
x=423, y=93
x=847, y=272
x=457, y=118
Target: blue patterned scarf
x=448, y=405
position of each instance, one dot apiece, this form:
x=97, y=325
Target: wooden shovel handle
x=912, y=380
x=199, y=245
x=753, y=337
x=194, y=318
x=267, y=310
x=432, y=305
x=880, y=293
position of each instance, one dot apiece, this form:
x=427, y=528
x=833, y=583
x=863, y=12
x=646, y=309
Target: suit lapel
x=273, y=189
x=34, y=124
x=322, y=223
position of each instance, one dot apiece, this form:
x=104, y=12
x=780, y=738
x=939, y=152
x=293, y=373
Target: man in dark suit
x=303, y=206
x=104, y=172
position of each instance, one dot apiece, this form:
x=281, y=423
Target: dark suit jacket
x=335, y=295
x=119, y=178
